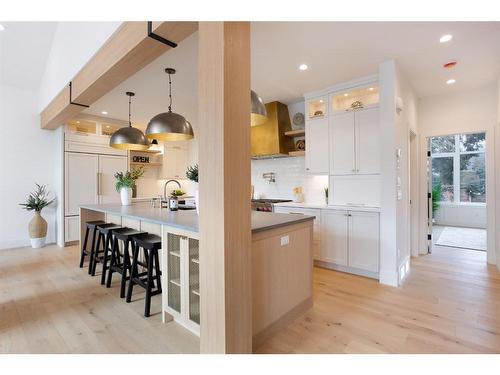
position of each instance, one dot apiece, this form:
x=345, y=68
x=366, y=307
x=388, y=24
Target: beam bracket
x=159, y=38
x=71, y=98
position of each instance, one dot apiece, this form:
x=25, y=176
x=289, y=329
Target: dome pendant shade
x=169, y=126
x=258, y=113
x=128, y=137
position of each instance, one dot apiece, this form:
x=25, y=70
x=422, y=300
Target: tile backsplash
x=289, y=173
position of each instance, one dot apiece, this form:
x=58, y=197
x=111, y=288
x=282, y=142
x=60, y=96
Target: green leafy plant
x=437, y=190
x=192, y=173
x=128, y=179
x=38, y=199
x=177, y=193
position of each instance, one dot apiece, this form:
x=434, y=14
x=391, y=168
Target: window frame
x=456, y=167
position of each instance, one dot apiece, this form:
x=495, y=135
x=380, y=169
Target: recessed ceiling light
x=445, y=38
x=371, y=89
x=2, y=27
x=104, y=112
x=346, y=94
x=303, y=67
x=107, y=126
x=321, y=100
x=451, y=81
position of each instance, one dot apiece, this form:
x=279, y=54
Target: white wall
x=28, y=155
x=461, y=215
x=290, y=173
x=473, y=110
x=74, y=44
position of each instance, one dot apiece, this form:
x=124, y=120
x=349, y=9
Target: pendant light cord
x=170, y=92
x=129, y=104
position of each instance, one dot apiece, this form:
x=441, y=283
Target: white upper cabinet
x=367, y=141
x=342, y=144
x=317, y=146
x=364, y=240
x=354, y=142
x=175, y=160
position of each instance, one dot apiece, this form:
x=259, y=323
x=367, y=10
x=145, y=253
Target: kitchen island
x=282, y=262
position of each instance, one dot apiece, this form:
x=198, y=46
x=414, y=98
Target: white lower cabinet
x=350, y=241
x=334, y=232
x=181, y=293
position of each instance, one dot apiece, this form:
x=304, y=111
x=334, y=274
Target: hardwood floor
x=49, y=305
x=449, y=303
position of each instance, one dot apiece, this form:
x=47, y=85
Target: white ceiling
x=334, y=51
x=24, y=49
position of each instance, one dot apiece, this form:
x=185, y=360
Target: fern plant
x=192, y=173
x=128, y=179
x=38, y=199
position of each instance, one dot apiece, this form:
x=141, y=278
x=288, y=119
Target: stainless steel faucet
x=165, y=187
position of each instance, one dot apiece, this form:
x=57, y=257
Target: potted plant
x=192, y=174
x=37, y=201
x=437, y=190
x=125, y=182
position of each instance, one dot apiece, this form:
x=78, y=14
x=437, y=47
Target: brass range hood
x=269, y=140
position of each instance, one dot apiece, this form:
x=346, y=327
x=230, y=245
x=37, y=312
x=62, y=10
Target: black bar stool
x=150, y=244
x=91, y=226
x=121, y=262
x=101, y=255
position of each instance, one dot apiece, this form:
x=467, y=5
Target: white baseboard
x=14, y=244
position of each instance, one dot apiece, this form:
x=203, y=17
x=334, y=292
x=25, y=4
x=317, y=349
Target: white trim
x=342, y=86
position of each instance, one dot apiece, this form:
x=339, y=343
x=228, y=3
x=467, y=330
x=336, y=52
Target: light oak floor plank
x=50, y=305
x=449, y=303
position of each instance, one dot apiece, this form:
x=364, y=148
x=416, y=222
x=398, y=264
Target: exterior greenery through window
x=458, y=167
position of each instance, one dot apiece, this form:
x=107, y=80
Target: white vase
x=197, y=200
x=126, y=196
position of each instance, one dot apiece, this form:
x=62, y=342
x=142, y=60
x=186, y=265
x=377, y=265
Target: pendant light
x=169, y=126
x=128, y=137
x=258, y=114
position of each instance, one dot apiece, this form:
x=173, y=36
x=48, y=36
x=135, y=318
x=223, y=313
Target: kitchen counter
x=282, y=262
x=329, y=207
x=188, y=219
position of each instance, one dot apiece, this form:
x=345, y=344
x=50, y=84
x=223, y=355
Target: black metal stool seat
x=150, y=244
x=118, y=262
x=104, y=232
x=91, y=226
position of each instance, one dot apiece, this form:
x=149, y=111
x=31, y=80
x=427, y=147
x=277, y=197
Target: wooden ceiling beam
x=126, y=52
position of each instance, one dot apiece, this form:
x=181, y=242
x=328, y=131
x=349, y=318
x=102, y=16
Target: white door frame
x=490, y=189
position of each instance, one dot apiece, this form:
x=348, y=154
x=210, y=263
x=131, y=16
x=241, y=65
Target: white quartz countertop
x=188, y=219
x=326, y=207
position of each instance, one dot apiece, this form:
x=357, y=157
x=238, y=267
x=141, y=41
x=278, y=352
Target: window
x=458, y=167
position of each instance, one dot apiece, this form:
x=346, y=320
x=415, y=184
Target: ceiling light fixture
x=258, y=112
x=445, y=38
x=371, y=89
x=128, y=137
x=303, y=67
x=451, y=81
x=450, y=65
x=346, y=94
x=2, y=27
x=104, y=112
x=169, y=126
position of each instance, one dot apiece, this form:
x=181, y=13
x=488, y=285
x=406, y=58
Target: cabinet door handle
x=97, y=183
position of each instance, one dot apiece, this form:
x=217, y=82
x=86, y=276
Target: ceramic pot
x=197, y=201
x=126, y=196
x=37, y=230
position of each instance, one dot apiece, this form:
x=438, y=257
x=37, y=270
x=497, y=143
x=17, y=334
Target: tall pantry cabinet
x=89, y=168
